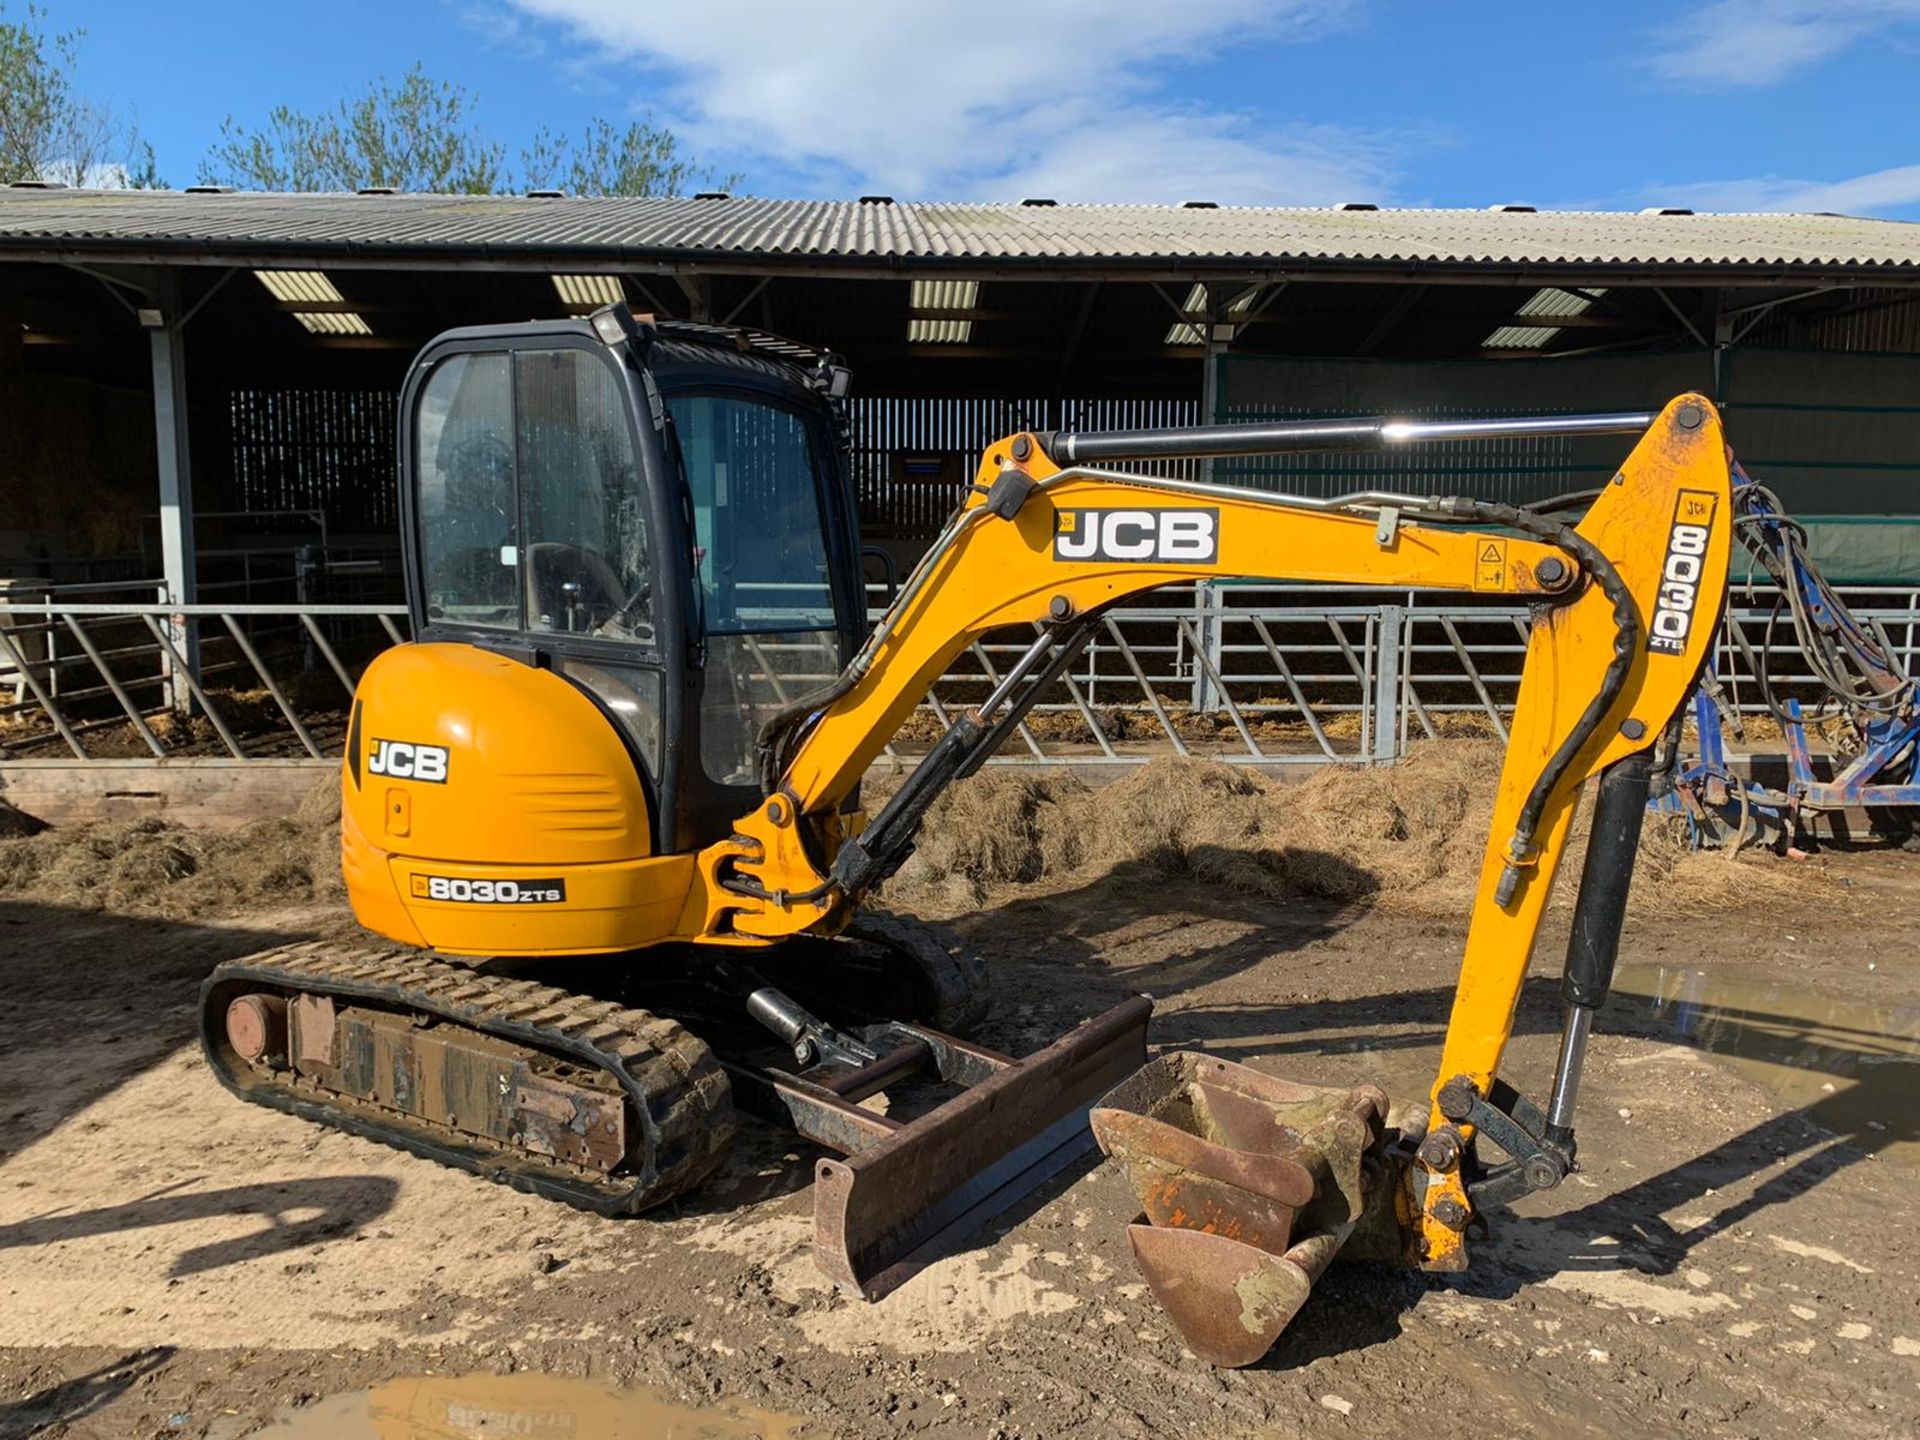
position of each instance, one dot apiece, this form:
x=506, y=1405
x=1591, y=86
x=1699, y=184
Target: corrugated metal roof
x=390, y=229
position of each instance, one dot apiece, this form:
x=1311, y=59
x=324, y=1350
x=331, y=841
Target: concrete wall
x=76, y=470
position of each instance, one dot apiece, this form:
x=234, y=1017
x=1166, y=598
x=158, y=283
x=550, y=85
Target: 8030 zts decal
x=489, y=892
x=1680, y=574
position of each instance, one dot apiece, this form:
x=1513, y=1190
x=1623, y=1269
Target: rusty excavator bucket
x=1249, y=1186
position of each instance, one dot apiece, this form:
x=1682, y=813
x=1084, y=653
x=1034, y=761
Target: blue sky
x=1719, y=104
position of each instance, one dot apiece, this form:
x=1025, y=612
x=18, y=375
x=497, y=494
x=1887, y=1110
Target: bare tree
x=48, y=131
x=420, y=134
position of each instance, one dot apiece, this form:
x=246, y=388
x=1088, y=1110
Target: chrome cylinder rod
x=1195, y=442
x=1028, y=662
x=1568, y=1069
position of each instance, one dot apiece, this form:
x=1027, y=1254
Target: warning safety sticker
x=1490, y=566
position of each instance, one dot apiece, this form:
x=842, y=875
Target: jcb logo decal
x=400, y=760
x=1146, y=537
x=1680, y=574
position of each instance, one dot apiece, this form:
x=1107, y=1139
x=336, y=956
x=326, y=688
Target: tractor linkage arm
x=1626, y=605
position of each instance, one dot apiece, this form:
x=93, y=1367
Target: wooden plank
x=216, y=794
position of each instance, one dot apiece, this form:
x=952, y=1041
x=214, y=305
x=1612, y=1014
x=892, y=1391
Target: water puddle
x=521, y=1407
x=1850, y=1066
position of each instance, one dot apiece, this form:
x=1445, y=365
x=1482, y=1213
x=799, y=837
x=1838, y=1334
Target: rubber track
x=681, y=1095
x=962, y=988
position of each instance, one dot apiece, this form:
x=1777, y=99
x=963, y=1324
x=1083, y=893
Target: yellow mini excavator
x=606, y=806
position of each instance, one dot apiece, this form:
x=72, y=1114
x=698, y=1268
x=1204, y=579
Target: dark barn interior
x=243, y=351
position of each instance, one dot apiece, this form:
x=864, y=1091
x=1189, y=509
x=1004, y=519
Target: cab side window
x=756, y=473
x=762, y=553
x=469, y=520
x=530, y=506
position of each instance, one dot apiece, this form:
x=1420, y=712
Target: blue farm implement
x=1868, y=704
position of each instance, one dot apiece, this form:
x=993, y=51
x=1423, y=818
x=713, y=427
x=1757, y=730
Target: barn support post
x=165, y=323
x=12, y=395
x=1723, y=337
x=1206, y=594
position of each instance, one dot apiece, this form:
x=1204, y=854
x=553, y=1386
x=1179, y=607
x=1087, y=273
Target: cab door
x=543, y=523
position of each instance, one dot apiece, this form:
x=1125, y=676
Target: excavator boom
x=1626, y=605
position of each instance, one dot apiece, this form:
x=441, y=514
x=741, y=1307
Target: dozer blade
x=906, y=1192
x=1249, y=1186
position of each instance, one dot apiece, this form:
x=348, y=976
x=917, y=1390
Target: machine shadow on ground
x=95, y=1000
x=1628, y=1229
x=92, y=999
x=1384, y=1021
x=346, y=1204
x=1068, y=935
x=1790, y=1153
x=81, y=1396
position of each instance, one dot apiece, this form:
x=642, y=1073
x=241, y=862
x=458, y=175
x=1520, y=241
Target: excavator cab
x=658, y=515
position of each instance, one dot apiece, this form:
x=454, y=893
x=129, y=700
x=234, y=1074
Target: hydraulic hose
x=1626, y=640
x=772, y=744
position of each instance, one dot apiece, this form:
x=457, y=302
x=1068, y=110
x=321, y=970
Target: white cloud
x=1154, y=155
x=992, y=99
x=500, y=28
x=1759, y=42
x=1872, y=194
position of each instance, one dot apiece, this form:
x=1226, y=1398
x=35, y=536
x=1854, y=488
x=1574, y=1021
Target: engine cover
x=489, y=807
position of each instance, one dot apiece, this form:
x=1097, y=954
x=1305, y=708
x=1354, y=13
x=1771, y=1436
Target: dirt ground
x=1737, y=1256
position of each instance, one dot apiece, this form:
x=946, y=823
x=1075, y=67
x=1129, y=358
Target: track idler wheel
x=1249, y=1186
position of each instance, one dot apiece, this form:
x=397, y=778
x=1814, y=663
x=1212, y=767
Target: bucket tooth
x=1249, y=1186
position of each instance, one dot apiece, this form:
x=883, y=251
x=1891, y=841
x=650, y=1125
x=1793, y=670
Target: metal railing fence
x=116, y=680
x=1252, y=674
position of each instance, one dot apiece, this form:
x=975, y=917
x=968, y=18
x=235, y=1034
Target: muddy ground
x=1738, y=1255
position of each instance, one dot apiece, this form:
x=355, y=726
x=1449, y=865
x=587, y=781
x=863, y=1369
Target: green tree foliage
x=416, y=135
x=642, y=159
x=420, y=135
x=48, y=131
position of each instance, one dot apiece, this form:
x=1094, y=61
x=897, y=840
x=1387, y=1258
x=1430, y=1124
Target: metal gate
x=1259, y=674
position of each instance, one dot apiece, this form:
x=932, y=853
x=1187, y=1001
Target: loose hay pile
x=151, y=866
x=1409, y=835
